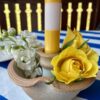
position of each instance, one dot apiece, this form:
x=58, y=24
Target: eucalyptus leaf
x=34, y=46
x=4, y=33
x=1, y=39
x=24, y=39
x=69, y=43
x=21, y=47
x=12, y=39
x=11, y=31
x=85, y=42
x=18, y=47
x=2, y=47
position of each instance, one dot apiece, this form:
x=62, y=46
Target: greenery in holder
x=23, y=48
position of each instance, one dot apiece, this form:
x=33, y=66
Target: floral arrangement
x=76, y=61
x=23, y=48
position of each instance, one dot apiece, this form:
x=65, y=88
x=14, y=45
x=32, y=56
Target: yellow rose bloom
x=70, y=35
x=72, y=64
x=78, y=40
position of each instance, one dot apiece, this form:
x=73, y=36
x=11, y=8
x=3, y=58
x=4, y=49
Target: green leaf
x=69, y=43
x=24, y=39
x=12, y=31
x=85, y=42
x=15, y=47
x=1, y=38
x=18, y=47
x=22, y=47
x=50, y=82
x=4, y=33
x=12, y=39
x=2, y=47
x=34, y=46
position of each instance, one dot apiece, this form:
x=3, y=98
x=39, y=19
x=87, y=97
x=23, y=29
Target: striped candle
x=52, y=25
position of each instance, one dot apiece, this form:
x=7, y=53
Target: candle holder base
x=45, y=59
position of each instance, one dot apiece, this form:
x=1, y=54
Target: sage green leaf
x=16, y=47
x=2, y=47
x=4, y=33
x=12, y=39
x=22, y=47
x=69, y=43
x=1, y=39
x=85, y=42
x=24, y=39
x=12, y=31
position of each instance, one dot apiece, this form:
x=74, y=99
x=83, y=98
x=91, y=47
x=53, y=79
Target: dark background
x=95, y=19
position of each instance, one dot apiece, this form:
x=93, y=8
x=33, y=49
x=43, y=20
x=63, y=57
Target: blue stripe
x=4, y=64
x=2, y=98
x=38, y=31
x=80, y=31
x=99, y=61
x=88, y=37
x=61, y=40
x=91, y=93
x=94, y=45
x=91, y=37
x=90, y=32
x=40, y=38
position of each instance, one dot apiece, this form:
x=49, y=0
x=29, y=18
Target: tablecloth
x=13, y=92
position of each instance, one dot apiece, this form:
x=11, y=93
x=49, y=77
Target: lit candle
x=52, y=25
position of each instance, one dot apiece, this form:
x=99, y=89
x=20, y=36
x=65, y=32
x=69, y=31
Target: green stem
x=85, y=42
x=69, y=43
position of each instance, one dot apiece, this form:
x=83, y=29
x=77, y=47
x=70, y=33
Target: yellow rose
x=72, y=64
x=70, y=35
x=78, y=40
x=91, y=54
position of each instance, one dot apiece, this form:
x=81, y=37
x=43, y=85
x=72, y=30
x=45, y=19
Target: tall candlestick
x=52, y=25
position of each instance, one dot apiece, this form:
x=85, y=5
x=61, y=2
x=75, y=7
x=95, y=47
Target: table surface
x=93, y=92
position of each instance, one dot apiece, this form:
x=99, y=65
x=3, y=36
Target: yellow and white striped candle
x=52, y=25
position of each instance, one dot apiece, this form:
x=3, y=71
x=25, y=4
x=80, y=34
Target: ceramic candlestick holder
x=45, y=62
x=45, y=59
x=57, y=90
